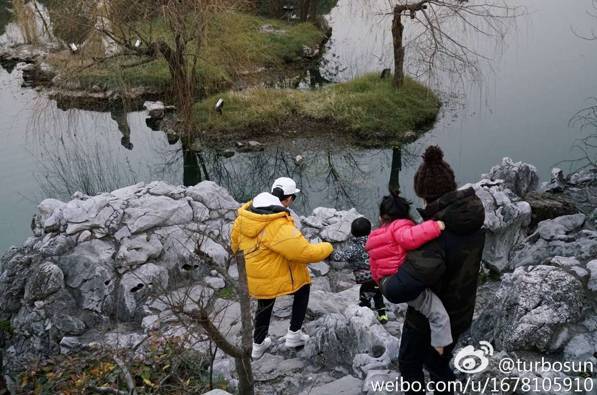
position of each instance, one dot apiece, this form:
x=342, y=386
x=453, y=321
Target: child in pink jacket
x=387, y=248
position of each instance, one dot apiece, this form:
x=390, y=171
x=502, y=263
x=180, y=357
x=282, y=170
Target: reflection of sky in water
x=542, y=74
x=522, y=110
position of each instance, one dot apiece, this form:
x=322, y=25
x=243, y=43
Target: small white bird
x=73, y=47
x=137, y=43
x=220, y=105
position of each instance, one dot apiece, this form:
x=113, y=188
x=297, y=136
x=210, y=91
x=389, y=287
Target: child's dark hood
x=462, y=211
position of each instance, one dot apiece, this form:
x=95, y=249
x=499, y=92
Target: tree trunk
x=394, y=184
x=276, y=9
x=184, y=82
x=313, y=6
x=397, y=30
x=305, y=5
x=245, y=375
x=191, y=172
x=243, y=364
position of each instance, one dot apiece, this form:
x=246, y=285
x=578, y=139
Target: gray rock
x=337, y=227
x=521, y=178
x=377, y=379
x=558, y=181
x=506, y=222
x=548, y=206
x=54, y=245
x=128, y=192
x=322, y=303
x=138, y=285
x=47, y=279
x=581, y=245
x=320, y=268
x=122, y=339
x=375, y=347
x=530, y=306
x=155, y=109
x=84, y=236
x=89, y=269
x=212, y=196
x=313, y=222
x=581, y=272
x=592, y=267
x=554, y=228
x=152, y=211
x=325, y=213
x=587, y=175
x=563, y=261
x=50, y=211
x=200, y=211
x=160, y=188
x=581, y=347
x=274, y=366
x=214, y=250
x=320, y=284
x=217, y=391
x=347, y=385
x=559, y=340
x=138, y=250
x=215, y=282
x=354, y=339
x=233, y=271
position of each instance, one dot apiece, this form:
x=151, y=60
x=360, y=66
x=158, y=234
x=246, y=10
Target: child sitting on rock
x=388, y=247
x=355, y=255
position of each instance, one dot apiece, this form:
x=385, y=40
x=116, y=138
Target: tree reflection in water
x=334, y=177
x=84, y=151
x=69, y=162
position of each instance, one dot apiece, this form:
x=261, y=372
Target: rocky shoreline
x=97, y=269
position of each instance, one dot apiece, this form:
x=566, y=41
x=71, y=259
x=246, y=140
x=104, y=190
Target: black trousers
x=370, y=290
x=265, y=307
x=416, y=352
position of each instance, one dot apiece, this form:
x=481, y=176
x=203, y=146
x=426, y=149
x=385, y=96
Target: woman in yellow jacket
x=276, y=258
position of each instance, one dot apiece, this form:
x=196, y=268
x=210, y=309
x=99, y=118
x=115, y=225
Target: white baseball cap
x=287, y=185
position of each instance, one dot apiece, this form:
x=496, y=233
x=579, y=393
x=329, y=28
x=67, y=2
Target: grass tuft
x=368, y=105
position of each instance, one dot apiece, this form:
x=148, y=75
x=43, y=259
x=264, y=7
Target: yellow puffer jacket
x=276, y=253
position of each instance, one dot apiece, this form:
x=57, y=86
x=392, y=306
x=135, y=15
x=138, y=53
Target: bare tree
x=434, y=44
x=586, y=118
x=307, y=9
x=136, y=32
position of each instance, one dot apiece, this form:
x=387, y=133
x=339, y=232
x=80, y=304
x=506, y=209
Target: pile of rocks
x=545, y=305
x=94, y=261
x=100, y=270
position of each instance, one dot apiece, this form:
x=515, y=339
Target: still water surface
x=521, y=109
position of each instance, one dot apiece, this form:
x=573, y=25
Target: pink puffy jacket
x=388, y=245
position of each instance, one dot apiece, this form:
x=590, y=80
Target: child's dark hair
x=360, y=227
x=393, y=207
x=279, y=193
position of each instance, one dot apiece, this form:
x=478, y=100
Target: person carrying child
x=356, y=257
x=388, y=246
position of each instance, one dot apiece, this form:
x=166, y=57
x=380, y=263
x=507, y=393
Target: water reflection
x=361, y=39
x=84, y=151
x=586, y=119
x=5, y=17
x=119, y=115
